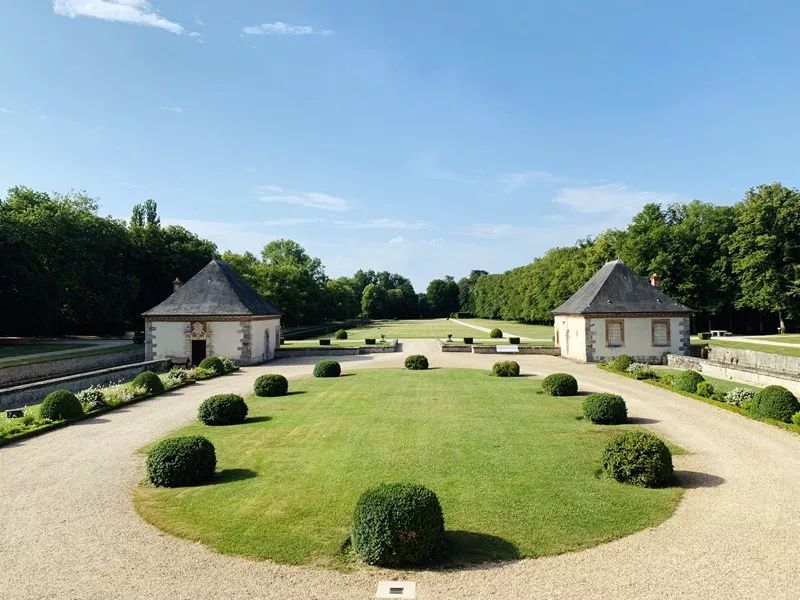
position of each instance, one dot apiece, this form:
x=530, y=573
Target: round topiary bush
x=214, y=363
x=149, y=381
x=687, y=381
x=775, y=402
x=179, y=461
x=506, y=368
x=341, y=334
x=416, y=362
x=605, y=409
x=327, y=368
x=59, y=405
x=397, y=524
x=560, y=384
x=222, y=409
x=705, y=389
x=271, y=385
x=620, y=363
x=639, y=458
x=495, y=333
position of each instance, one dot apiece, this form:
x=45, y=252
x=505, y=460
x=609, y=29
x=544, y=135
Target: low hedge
x=513, y=340
x=416, y=362
x=639, y=458
x=149, y=381
x=775, y=402
x=468, y=340
x=60, y=405
x=687, y=381
x=181, y=461
x=271, y=385
x=560, y=384
x=495, y=333
x=620, y=363
x=327, y=368
x=214, y=363
x=222, y=409
x=397, y=524
x=705, y=389
x=605, y=409
x=341, y=334
x=506, y=368
x=325, y=342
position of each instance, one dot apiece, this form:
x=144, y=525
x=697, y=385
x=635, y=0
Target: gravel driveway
x=68, y=528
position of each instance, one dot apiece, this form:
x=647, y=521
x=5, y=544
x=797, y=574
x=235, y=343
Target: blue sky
x=427, y=138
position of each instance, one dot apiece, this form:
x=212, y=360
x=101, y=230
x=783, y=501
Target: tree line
x=737, y=266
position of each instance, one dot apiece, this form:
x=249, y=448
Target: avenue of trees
x=67, y=269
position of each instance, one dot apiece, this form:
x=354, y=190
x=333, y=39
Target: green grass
x=97, y=351
x=720, y=385
x=410, y=329
x=9, y=350
x=543, y=332
x=351, y=343
x=768, y=348
x=785, y=339
x=517, y=472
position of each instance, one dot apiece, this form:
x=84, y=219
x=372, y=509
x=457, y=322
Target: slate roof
x=216, y=290
x=615, y=288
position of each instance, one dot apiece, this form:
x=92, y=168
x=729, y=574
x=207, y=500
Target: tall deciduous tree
x=442, y=296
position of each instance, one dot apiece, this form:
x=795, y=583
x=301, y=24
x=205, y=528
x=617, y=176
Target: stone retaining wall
x=17, y=375
x=547, y=350
x=332, y=351
x=33, y=393
x=753, y=359
x=742, y=374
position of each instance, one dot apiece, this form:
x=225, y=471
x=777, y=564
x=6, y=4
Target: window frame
x=621, y=323
x=653, y=324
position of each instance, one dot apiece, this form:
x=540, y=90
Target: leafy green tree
x=765, y=250
x=465, y=285
x=442, y=296
x=342, y=303
x=374, y=301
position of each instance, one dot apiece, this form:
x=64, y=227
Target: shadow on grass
x=231, y=475
x=296, y=393
x=469, y=548
x=692, y=479
x=261, y=419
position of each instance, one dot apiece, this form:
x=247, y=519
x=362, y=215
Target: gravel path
x=68, y=528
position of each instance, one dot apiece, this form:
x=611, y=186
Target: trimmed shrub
x=738, y=395
x=687, y=381
x=706, y=335
x=495, y=333
x=180, y=461
x=468, y=340
x=177, y=376
x=775, y=402
x=369, y=341
x=222, y=409
x=416, y=362
x=59, y=405
x=91, y=398
x=506, y=368
x=213, y=363
x=149, y=381
x=667, y=379
x=327, y=368
x=620, y=363
x=560, y=384
x=639, y=458
x=705, y=389
x=397, y=524
x=271, y=385
x=513, y=340
x=796, y=418
x=341, y=334
x=324, y=342
x=605, y=409
x=229, y=365
x=643, y=374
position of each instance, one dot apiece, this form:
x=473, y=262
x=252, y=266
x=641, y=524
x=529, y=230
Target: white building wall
x=168, y=339
x=570, y=334
x=226, y=339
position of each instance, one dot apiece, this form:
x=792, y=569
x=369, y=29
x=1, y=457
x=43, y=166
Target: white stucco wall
x=168, y=337
x=264, y=349
x=570, y=332
x=226, y=339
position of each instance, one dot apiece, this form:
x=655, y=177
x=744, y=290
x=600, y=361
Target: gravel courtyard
x=69, y=530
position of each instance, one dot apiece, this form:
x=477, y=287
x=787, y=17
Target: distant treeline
x=733, y=264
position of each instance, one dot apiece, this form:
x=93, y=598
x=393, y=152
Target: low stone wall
x=17, y=375
x=455, y=347
x=742, y=374
x=546, y=350
x=33, y=393
x=332, y=351
x=753, y=359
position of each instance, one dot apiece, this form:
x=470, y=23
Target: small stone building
x=618, y=312
x=215, y=313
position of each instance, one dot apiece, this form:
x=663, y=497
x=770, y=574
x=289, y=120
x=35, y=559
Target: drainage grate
x=397, y=589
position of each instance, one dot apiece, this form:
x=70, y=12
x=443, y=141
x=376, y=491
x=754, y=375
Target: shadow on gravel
x=230, y=475
x=641, y=421
x=693, y=479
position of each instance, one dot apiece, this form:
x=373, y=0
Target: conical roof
x=216, y=290
x=615, y=288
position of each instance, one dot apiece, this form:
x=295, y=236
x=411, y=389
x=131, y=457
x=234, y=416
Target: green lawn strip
x=768, y=348
x=784, y=339
x=516, y=471
x=351, y=343
x=409, y=329
x=69, y=354
x=8, y=350
x=544, y=332
x=724, y=386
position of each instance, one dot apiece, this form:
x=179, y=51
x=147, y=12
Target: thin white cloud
x=512, y=182
x=5, y=110
x=195, y=34
x=274, y=194
x=136, y=12
x=610, y=197
x=384, y=224
x=174, y=109
x=281, y=28
x=397, y=240
x=199, y=22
